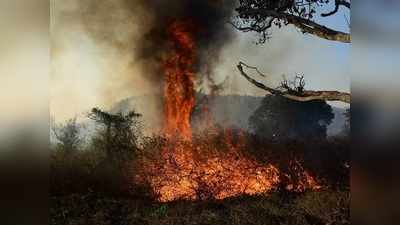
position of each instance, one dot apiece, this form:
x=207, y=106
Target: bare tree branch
x=338, y=3
x=302, y=96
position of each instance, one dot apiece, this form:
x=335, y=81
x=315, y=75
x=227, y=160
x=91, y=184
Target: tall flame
x=179, y=96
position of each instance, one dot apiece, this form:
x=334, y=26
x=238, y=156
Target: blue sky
x=325, y=64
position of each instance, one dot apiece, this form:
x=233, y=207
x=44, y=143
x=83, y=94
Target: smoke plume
x=106, y=51
x=146, y=39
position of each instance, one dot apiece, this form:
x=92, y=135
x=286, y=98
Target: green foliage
x=103, y=165
x=160, y=211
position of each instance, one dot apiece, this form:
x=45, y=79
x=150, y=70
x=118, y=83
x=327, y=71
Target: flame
x=179, y=78
x=209, y=167
x=198, y=170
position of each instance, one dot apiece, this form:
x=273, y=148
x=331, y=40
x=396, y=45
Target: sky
x=85, y=73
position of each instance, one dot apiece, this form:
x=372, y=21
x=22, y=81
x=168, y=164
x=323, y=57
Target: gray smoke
x=109, y=23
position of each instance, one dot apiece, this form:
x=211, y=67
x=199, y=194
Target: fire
x=179, y=78
x=202, y=167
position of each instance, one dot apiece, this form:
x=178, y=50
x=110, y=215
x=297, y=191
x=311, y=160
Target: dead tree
x=259, y=16
x=295, y=91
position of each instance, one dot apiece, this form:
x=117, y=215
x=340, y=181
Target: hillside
x=227, y=110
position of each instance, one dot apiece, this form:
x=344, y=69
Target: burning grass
x=214, y=166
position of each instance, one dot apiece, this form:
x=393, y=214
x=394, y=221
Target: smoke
x=120, y=44
x=107, y=51
x=149, y=19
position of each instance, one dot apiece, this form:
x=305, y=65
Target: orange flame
x=198, y=171
x=179, y=81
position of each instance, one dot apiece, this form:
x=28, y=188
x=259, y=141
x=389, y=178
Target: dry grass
x=309, y=208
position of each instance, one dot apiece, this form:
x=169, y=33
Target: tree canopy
x=281, y=118
x=119, y=134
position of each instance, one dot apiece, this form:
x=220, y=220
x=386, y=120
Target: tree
x=281, y=118
x=291, y=112
x=260, y=15
x=296, y=90
x=346, y=127
x=67, y=135
x=120, y=133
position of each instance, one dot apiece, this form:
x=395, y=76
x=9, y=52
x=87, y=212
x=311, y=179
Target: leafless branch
x=254, y=68
x=302, y=96
x=338, y=3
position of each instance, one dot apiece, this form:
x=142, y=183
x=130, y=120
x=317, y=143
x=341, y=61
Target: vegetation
x=309, y=208
x=92, y=184
x=102, y=164
x=281, y=118
x=93, y=181
x=67, y=135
